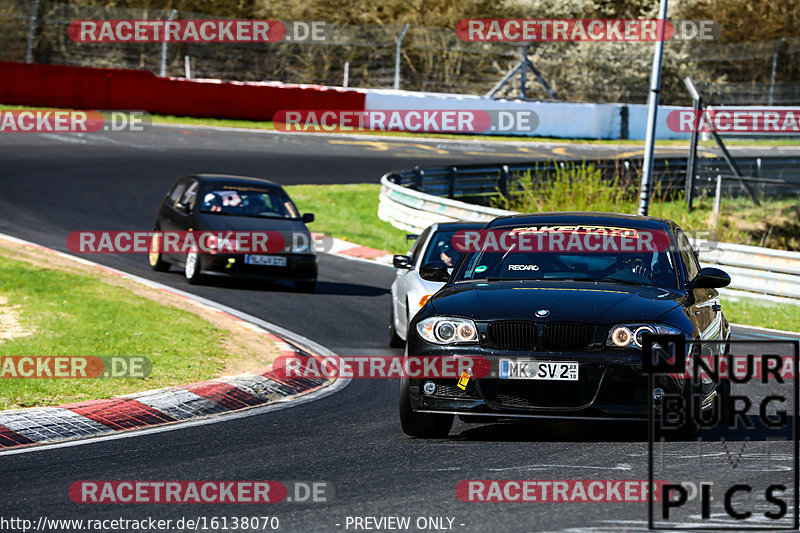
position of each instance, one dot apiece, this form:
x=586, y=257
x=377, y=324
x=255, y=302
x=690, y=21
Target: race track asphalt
x=54, y=184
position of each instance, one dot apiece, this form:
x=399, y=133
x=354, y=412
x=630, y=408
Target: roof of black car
x=228, y=180
x=581, y=217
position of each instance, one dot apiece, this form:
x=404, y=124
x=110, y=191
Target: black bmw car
x=225, y=208
x=562, y=326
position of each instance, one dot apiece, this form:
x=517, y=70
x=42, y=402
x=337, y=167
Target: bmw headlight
x=447, y=330
x=630, y=335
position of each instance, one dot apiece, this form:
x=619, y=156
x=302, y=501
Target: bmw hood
x=585, y=302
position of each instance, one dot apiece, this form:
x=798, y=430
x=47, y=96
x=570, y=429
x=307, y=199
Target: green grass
x=349, y=212
x=268, y=125
x=73, y=314
x=762, y=314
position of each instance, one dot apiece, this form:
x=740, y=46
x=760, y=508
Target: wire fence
x=431, y=59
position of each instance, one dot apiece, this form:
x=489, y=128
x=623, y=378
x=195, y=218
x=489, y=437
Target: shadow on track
x=601, y=431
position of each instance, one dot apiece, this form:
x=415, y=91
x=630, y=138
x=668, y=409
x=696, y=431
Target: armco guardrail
x=413, y=211
x=759, y=273
x=470, y=181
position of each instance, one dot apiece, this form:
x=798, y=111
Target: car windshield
x=653, y=267
x=441, y=249
x=247, y=202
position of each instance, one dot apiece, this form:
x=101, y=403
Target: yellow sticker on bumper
x=463, y=381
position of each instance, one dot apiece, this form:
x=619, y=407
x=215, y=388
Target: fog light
x=429, y=387
x=658, y=394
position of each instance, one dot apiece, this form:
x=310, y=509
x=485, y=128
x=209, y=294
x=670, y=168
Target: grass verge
x=349, y=212
x=61, y=309
x=762, y=314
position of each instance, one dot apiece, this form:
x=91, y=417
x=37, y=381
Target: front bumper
x=299, y=267
x=611, y=385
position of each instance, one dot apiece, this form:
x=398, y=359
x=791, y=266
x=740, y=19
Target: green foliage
x=349, y=212
x=573, y=187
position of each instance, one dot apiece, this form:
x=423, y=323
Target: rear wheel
x=421, y=425
x=154, y=255
x=192, y=268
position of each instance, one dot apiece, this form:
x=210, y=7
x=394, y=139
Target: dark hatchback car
x=562, y=330
x=221, y=203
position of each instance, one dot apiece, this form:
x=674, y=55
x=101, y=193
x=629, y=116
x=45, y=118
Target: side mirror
x=308, y=218
x=402, y=261
x=710, y=278
x=434, y=271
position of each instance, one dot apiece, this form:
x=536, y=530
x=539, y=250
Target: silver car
x=409, y=290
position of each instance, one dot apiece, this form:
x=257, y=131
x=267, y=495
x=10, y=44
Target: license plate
x=268, y=260
x=539, y=370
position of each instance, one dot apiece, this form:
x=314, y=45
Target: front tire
x=421, y=425
x=154, y=255
x=192, y=268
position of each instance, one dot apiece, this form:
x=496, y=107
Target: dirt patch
x=248, y=348
x=10, y=328
x=778, y=228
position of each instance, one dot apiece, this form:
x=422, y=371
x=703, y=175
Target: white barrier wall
x=556, y=119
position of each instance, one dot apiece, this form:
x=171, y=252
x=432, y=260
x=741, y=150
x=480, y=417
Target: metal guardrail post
x=504, y=180
x=451, y=188
x=717, y=202
x=32, y=31
x=691, y=164
x=522, y=78
x=163, y=72
x=774, y=68
x=398, y=46
x=652, y=112
x=419, y=174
